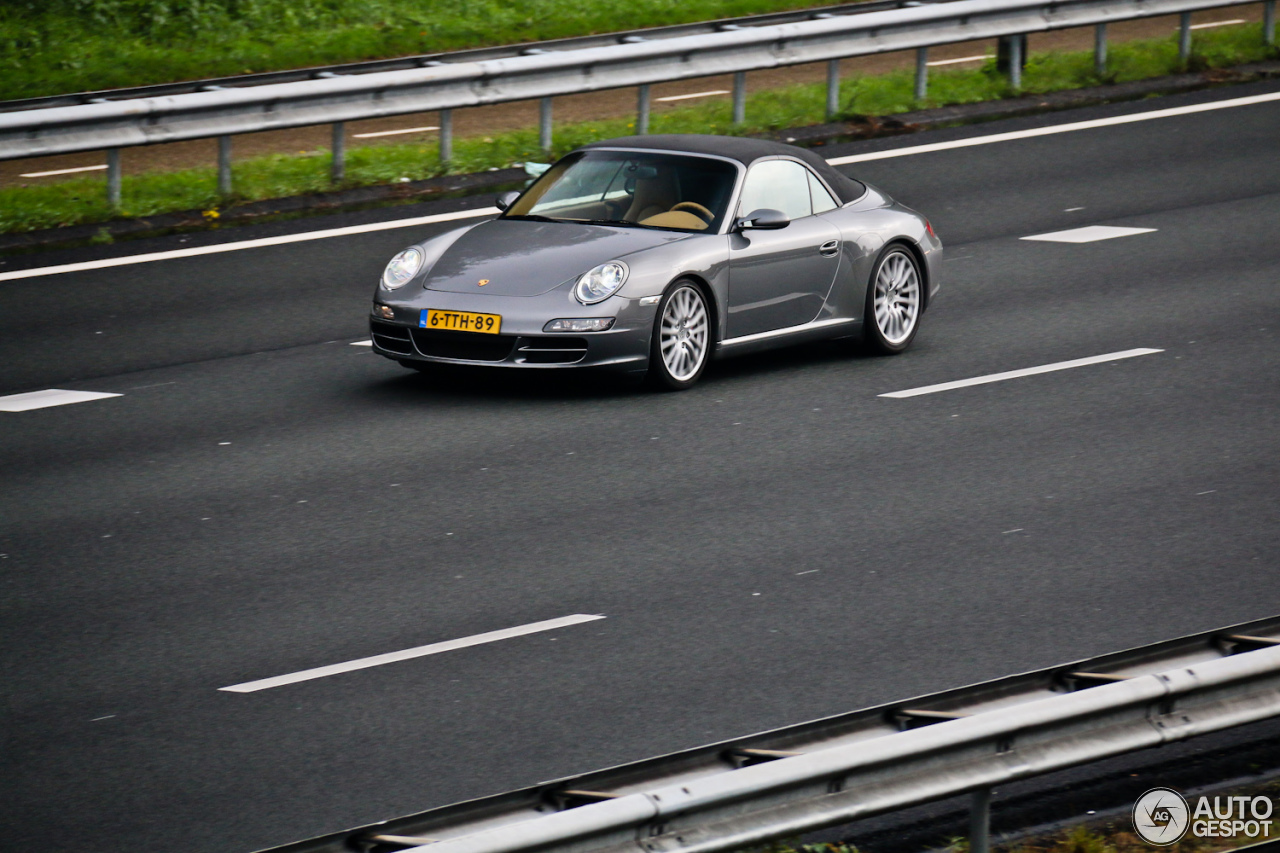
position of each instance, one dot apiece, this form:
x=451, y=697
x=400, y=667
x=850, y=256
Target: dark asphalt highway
x=778, y=544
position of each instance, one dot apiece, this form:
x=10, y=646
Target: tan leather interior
x=676, y=219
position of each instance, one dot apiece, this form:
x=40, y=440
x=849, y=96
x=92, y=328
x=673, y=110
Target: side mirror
x=765, y=217
x=506, y=200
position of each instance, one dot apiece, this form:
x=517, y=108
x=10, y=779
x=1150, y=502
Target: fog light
x=383, y=312
x=586, y=324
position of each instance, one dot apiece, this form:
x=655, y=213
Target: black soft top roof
x=742, y=149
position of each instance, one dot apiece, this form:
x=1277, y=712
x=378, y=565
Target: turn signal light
x=586, y=324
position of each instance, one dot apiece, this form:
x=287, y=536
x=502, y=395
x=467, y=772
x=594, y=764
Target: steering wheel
x=694, y=207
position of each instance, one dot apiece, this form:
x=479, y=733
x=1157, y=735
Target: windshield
x=667, y=191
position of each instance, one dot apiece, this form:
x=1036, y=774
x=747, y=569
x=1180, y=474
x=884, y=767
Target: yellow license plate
x=460, y=321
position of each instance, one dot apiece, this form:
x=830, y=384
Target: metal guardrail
x=470, y=55
x=338, y=99
x=732, y=795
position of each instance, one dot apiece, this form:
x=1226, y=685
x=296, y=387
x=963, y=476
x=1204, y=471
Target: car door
x=780, y=278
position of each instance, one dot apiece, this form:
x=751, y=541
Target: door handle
x=829, y=248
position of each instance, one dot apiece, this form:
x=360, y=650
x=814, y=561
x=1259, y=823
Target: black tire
x=680, y=347
x=895, y=301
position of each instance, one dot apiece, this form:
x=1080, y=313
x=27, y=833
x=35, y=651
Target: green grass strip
x=51, y=47
x=83, y=200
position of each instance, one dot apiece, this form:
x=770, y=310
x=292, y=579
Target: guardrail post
x=1184, y=37
x=833, y=87
x=338, y=169
x=446, y=137
x=224, y=165
x=1269, y=22
x=980, y=821
x=642, y=110
x=1011, y=58
x=1016, y=59
x=544, y=124
x=739, y=97
x=922, y=73
x=113, y=178
x=1100, y=50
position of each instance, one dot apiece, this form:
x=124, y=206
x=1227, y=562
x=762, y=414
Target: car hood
x=516, y=257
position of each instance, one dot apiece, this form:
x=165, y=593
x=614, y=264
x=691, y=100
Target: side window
x=822, y=200
x=777, y=184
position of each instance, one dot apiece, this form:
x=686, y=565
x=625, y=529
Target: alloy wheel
x=683, y=333
x=896, y=302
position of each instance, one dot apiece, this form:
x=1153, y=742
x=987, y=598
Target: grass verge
x=1081, y=839
x=1097, y=835
x=52, y=47
x=83, y=200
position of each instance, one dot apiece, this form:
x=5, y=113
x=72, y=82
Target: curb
x=452, y=186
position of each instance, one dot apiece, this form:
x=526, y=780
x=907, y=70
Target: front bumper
x=522, y=343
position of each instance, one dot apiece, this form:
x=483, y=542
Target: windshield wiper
x=624, y=222
x=536, y=217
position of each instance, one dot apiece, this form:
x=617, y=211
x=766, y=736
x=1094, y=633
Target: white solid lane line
x=1089, y=234
x=464, y=214
x=694, y=95
x=393, y=132
x=961, y=59
x=1217, y=24
x=63, y=171
x=409, y=654
x=1026, y=371
x=1056, y=128
x=247, y=244
x=50, y=397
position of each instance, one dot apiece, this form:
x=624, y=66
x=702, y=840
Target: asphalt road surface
x=778, y=544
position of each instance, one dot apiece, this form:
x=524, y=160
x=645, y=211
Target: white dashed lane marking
x=409, y=654
x=63, y=171
x=694, y=95
x=1015, y=374
x=981, y=58
x=1088, y=234
x=362, y=344
x=50, y=397
x=393, y=132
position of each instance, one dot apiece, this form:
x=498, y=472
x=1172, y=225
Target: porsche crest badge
x=482, y=282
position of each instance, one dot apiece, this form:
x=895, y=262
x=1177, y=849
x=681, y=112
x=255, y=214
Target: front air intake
x=463, y=346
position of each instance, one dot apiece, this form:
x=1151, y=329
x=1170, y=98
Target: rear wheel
x=894, y=300
x=681, y=337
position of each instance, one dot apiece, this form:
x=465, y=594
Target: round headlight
x=402, y=267
x=601, y=283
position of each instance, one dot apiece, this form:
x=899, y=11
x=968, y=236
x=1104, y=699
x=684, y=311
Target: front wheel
x=681, y=338
x=894, y=300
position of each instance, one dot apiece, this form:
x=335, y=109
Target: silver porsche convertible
x=651, y=255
